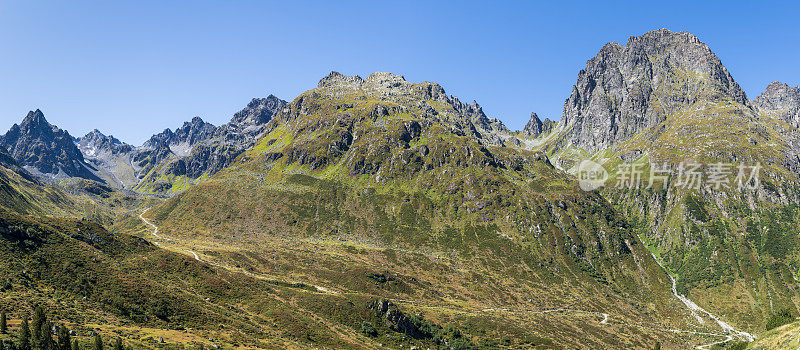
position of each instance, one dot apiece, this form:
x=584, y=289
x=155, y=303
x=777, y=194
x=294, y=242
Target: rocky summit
x=781, y=100
x=536, y=127
x=45, y=149
x=626, y=89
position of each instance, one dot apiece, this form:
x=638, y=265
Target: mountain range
x=377, y=212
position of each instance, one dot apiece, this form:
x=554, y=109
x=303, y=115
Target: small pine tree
x=47, y=337
x=118, y=344
x=3, y=324
x=37, y=325
x=98, y=342
x=64, y=339
x=75, y=345
x=24, y=334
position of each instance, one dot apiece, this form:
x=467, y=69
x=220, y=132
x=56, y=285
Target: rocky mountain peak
x=35, y=118
x=193, y=132
x=626, y=89
x=159, y=139
x=778, y=96
x=384, y=80
x=257, y=113
x=35, y=124
x=336, y=79
x=782, y=100
x=536, y=127
x=95, y=143
x=37, y=144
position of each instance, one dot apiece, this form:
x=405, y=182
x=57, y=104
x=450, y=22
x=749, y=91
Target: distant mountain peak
x=779, y=95
x=45, y=148
x=781, y=100
x=35, y=118
x=338, y=79
x=536, y=127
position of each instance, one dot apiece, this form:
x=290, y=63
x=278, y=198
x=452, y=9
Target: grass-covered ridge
x=396, y=172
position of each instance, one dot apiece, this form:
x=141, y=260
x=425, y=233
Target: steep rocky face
x=6, y=161
x=45, y=148
x=782, y=101
x=193, y=132
x=665, y=99
x=188, y=134
x=626, y=89
x=257, y=113
x=198, y=148
x=95, y=143
x=536, y=127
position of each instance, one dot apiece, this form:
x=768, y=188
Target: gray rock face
x=198, y=148
x=626, y=89
x=190, y=133
x=258, y=113
x=536, y=127
x=45, y=148
x=96, y=143
x=6, y=161
x=781, y=100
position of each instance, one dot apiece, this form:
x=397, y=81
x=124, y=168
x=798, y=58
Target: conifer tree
x=3, y=325
x=98, y=342
x=39, y=322
x=24, y=334
x=64, y=339
x=75, y=345
x=47, y=336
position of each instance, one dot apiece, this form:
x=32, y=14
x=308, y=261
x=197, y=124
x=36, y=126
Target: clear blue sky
x=134, y=68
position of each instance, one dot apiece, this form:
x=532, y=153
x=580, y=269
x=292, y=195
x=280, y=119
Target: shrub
x=368, y=329
x=781, y=318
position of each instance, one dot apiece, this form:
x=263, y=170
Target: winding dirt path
x=196, y=257
x=155, y=234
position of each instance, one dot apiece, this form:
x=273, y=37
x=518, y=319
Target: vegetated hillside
x=666, y=99
x=385, y=187
x=23, y=193
x=120, y=285
x=784, y=336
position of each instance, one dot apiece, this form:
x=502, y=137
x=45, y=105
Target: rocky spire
x=46, y=148
x=781, y=100
x=536, y=127
x=626, y=89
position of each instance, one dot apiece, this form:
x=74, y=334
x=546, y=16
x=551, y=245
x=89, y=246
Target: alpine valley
x=375, y=212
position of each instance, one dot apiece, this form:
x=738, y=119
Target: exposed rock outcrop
x=626, y=89
x=781, y=100
x=46, y=149
x=536, y=127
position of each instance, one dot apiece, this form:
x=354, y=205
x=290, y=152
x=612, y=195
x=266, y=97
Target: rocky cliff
x=45, y=149
x=781, y=101
x=626, y=89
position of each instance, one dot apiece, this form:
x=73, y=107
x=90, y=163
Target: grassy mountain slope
x=120, y=285
x=359, y=181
